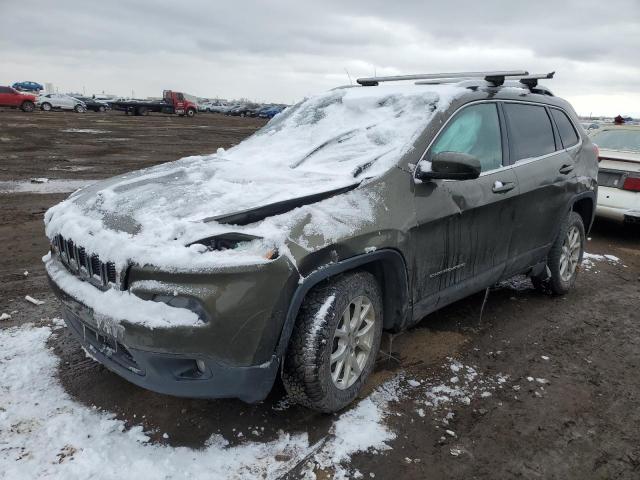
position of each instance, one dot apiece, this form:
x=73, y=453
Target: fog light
x=200, y=365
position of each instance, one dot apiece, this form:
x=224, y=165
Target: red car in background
x=10, y=97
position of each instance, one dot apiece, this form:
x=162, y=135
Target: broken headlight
x=235, y=241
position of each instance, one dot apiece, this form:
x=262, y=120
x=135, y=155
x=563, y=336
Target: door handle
x=503, y=187
x=566, y=168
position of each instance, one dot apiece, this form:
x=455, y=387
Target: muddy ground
x=582, y=421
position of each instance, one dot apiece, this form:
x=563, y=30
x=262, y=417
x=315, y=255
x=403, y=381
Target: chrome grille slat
x=85, y=265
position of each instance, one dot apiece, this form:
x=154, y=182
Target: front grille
x=85, y=265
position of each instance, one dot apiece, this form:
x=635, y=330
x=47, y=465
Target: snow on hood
x=326, y=142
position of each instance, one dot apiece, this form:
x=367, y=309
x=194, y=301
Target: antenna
x=349, y=76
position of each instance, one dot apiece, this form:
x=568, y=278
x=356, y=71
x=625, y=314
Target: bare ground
x=583, y=422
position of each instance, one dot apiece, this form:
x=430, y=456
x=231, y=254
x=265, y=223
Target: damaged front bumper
x=231, y=354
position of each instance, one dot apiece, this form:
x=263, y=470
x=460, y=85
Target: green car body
x=430, y=242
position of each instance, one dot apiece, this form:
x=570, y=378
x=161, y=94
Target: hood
x=194, y=190
x=313, y=151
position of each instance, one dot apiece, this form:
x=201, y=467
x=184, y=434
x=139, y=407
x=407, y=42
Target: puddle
x=50, y=186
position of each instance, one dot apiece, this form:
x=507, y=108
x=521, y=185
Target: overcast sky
x=284, y=50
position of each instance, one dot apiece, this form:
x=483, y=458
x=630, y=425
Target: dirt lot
x=552, y=386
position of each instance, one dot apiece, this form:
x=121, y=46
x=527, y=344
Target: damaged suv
x=355, y=211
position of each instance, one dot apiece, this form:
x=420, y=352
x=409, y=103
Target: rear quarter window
x=530, y=131
x=567, y=132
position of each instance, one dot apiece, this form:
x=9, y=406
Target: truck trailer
x=177, y=103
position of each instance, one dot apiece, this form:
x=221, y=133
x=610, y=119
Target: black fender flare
x=397, y=313
x=594, y=202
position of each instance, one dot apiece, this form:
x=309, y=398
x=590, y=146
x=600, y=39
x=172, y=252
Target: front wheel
x=79, y=109
x=46, y=107
x=564, y=257
x=101, y=108
x=28, y=106
x=334, y=343
x=191, y=112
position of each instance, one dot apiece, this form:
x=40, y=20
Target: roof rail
x=530, y=81
x=496, y=77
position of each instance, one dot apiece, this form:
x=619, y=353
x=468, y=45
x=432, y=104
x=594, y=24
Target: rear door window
x=530, y=131
x=475, y=130
x=568, y=134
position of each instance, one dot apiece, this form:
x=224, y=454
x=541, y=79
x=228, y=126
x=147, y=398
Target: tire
x=46, y=107
x=101, y=109
x=308, y=374
x=141, y=111
x=28, y=106
x=79, y=109
x=564, y=258
x=191, y=113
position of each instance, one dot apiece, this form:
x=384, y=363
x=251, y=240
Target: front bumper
x=226, y=357
x=176, y=375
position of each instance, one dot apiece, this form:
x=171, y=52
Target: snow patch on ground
x=589, y=260
x=47, y=434
x=466, y=384
x=50, y=186
x=84, y=130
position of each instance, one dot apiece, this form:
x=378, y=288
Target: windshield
x=623, y=140
x=350, y=132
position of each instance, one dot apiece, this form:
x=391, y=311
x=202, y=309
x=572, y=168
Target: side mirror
x=449, y=166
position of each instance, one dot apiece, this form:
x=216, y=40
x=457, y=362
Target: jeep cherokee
x=359, y=210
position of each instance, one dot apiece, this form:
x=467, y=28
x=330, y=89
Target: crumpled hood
x=191, y=189
x=329, y=143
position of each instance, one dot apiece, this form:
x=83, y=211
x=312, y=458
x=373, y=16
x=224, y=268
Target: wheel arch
x=585, y=206
x=386, y=265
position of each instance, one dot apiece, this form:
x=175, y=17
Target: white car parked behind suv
x=60, y=101
x=618, y=172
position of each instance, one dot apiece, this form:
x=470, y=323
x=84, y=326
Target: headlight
x=235, y=241
x=177, y=301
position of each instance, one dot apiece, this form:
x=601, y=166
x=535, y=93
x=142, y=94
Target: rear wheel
x=46, y=107
x=564, y=257
x=28, y=106
x=101, y=108
x=334, y=343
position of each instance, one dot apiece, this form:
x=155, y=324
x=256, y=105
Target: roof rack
x=531, y=81
x=496, y=78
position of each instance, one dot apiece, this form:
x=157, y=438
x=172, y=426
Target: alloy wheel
x=352, y=342
x=570, y=253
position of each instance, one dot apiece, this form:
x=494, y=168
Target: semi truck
x=172, y=103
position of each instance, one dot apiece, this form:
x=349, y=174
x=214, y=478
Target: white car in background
x=618, y=172
x=59, y=101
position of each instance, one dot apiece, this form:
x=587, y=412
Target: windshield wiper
x=365, y=166
x=337, y=139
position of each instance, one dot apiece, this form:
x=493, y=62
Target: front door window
x=475, y=130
